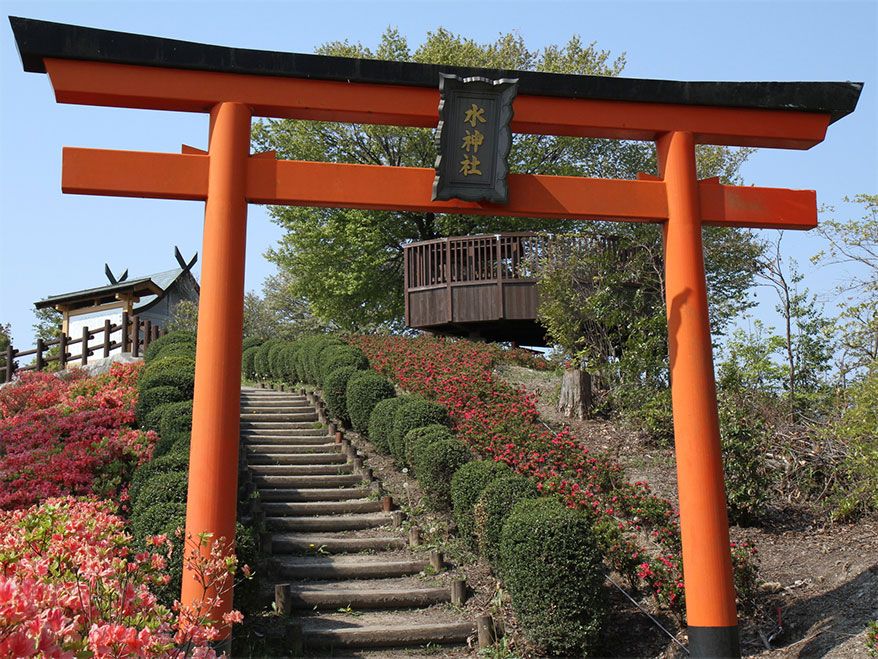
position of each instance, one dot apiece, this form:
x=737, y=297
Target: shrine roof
x=37, y=40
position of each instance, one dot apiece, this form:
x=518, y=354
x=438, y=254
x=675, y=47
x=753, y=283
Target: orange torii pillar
x=213, y=467
x=96, y=67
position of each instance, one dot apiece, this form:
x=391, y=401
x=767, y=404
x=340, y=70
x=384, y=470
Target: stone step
x=336, y=595
x=302, y=469
x=291, y=437
x=337, y=632
x=306, y=482
x=345, y=568
x=354, y=522
x=278, y=459
x=258, y=419
x=321, y=508
x=274, y=399
x=291, y=449
x=289, y=495
x=303, y=420
x=314, y=544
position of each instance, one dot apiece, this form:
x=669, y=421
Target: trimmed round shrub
x=175, y=425
x=552, y=568
x=313, y=359
x=288, y=363
x=415, y=413
x=334, y=391
x=164, y=519
x=179, y=447
x=435, y=464
x=467, y=486
x=179, y=349
x=275, y=360
x=171, y=372
x=418, y=437
x=493, y=508
x=251, y=342
x=381, y=421
x=145, y=472
x=150, y=399
x=336, y=356
x=153, y=419
x=261, y=364
x=168, y=487
x=248, y=368
x=180, y=336
x=365, y=390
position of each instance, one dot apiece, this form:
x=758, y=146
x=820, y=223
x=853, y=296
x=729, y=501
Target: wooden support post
x=10, y=369
x=41, y=364
x=282, y=602
x=437, y=560
x=367, y=474
x=213, y=465
x=414, y=537
x=332, y=428
x=107, y=338
x=85, y=337
x=458, y=592
x=62, y=351
x=295, y=639
x=704, y=527
x=486, y=630
x=147, y=334
x=339, y=436
x=387, y=504
x=397, y=517
x=135, y=336
x=124, y=339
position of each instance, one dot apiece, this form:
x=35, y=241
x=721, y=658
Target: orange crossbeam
x=118, y=85
x=176, y=176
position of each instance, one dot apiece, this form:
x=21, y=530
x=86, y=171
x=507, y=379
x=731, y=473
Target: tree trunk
x=575, y=400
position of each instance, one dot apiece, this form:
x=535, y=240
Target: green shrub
x=435, y=463
x=365, y=390
x=248, y=368
x=150, y=399
x=179, y=349
x=288, y=363
x=552, y=568
x=856, y=491
x=251, y=342
x=164, y=519
x=418, y=437
x=744, y=437
x=334, y=391
x=415, y=413
x=167, y=487
x=275, y=360
x=153, y=419
x=168, y=371
x=180, y=336
x=162, y=464
x=261, y=364
x=493, y=508
x=381, y=421
x=336, y=356
x=175, y=425
x=467, y=486
x=247, y=595
x=315, y=358
x=179, y=447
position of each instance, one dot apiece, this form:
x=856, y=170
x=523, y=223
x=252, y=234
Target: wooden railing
x=135, y=335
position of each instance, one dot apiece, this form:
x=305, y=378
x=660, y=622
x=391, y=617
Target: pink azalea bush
x=74, y=436
x=71, y=587
x=638, y=531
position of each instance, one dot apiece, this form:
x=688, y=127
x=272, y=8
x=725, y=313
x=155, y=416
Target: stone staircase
x=335, y=551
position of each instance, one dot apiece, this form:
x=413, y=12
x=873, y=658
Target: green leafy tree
x=48, y=324
x=348, y=262
x=5, y=340
x=280, y=313
x=184, y=316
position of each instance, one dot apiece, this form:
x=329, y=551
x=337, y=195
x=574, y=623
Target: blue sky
x=54, y=243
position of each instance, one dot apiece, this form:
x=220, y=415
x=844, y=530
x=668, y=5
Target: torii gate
x=98, y=67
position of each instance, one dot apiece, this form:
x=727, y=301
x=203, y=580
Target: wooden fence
x=134, y=337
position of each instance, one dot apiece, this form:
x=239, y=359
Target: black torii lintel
x=37, y=40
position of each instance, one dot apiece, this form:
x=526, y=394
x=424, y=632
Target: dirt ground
x=819, y=580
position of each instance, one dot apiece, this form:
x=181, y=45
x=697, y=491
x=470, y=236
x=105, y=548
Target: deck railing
x=135, y=335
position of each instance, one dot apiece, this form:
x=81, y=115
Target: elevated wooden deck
x=478, y=286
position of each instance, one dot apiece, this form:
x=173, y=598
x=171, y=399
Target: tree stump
x=576, y=399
